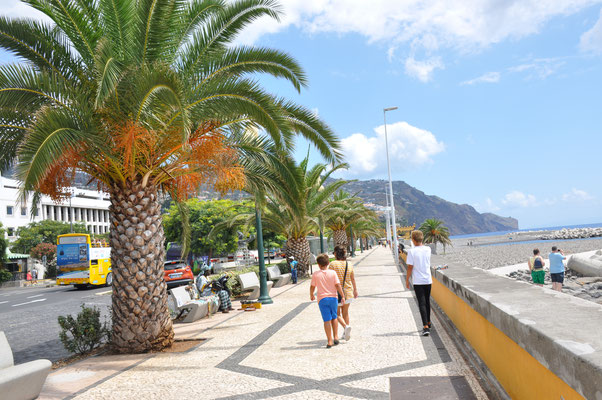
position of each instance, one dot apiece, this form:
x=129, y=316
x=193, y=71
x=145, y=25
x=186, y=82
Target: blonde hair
x=417, y=236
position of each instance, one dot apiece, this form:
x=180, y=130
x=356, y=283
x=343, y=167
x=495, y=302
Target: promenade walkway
x=278, y=352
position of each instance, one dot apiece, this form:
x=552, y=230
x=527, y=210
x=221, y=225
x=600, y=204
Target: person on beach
x=419, y=268
x=557, y=268
x=536, y=264
x=346, y=276
x=328, y=285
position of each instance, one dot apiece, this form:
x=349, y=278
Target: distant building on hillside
x=88, y=206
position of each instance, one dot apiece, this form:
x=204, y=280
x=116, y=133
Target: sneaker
x=426, y=331
x=430, y=325
x=347, y=333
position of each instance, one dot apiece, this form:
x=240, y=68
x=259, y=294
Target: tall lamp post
x=388, y=215
x=394, y=226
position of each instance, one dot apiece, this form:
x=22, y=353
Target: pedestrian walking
x=419, y=268
x=557, y=268
x=536, y=264
x=346, y=276
x=293, y=264
x=327, y=284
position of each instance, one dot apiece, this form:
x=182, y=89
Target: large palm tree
x=435, y=232
x=140, y=95
x=296, y=208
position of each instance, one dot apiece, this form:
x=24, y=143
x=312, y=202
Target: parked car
x=177, y=273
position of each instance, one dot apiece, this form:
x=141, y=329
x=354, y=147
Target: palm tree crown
x=435, y=232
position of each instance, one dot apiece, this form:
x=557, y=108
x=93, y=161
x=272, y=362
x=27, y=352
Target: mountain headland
x=414, y=206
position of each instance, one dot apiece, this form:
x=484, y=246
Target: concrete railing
x=538, y=343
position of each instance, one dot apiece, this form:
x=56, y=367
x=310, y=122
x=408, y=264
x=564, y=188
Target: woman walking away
x=346, y=276
x=536, y=264
x=419, y=268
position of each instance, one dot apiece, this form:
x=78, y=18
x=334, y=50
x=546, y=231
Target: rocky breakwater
x=587, y=288
x=576, y=233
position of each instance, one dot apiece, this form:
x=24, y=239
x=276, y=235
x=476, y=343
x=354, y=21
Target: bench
x=278, y=278
x=192, y=310
x=23, y=381
x=249, y=281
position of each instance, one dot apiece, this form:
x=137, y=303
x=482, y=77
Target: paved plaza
x=278, y=352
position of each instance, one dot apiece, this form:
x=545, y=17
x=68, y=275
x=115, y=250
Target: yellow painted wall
x=521, y=375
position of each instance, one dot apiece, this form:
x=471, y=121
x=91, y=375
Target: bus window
x=93, y=262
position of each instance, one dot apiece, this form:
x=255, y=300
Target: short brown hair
x=417, y=236
x=323, y=260
x=535, y=252
x=340, y=252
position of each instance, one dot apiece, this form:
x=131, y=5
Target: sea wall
x=539, y=344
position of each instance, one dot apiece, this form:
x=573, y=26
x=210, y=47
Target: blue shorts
x=328, y=308
x=557, y=277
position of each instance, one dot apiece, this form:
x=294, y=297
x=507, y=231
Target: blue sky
x=499, y=102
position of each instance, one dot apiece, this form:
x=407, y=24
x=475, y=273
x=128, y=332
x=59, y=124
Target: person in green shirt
x=536, y=264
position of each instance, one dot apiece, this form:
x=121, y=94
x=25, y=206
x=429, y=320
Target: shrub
x=43, y=249
x=5, y=275
x=50, y=269
x=284, y=267
x=85, y=332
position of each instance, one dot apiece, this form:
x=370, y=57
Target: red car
x=177, y=273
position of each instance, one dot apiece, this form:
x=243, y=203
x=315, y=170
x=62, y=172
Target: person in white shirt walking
x=419, y=268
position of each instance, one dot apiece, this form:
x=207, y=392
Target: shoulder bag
x=343, y=284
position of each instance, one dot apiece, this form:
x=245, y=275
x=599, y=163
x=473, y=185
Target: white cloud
x=519, y=199
x=577, y=195
x=426, y=25
x=539, y=68
x=18, y=9
x=489, y=77
x=422, y=70
x=409, y=146
x=489, y=206
x=591, y=41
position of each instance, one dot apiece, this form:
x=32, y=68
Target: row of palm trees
x=152, y=97
x=295, y=201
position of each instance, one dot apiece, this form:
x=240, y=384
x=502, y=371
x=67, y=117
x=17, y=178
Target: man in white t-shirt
x=419, y=268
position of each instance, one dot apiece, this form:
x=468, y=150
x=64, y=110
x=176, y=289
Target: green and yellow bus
x=81, y=261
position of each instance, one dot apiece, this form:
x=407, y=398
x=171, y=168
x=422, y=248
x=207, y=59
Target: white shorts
x=347, y=301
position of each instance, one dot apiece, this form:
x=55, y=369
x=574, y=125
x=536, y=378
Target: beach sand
x=498, y=251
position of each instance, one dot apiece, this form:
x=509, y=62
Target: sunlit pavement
x=279, y=352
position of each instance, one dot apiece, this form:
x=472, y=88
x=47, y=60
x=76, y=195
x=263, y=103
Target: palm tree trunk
x=340, y=237
x=299, y=248
x=141, y=320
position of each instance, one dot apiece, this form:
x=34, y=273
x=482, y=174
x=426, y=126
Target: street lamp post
x=387, y=215
x=393, y=227
x=264, y=296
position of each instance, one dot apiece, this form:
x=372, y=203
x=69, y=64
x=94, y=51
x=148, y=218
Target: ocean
x=550, y=228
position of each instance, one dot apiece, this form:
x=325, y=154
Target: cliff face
x=413, y=206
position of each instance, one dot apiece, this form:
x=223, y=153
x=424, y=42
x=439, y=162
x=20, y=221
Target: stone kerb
x=560, y=331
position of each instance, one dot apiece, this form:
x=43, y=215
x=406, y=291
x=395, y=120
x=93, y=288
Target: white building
x=87, y=206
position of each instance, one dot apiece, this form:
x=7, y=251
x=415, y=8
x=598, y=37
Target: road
x=28, y=317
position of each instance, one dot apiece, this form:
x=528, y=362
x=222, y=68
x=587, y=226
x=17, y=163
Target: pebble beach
x=506, y=250
x=498, y=251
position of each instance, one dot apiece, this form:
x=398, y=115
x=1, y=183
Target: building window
x=9, y=210
x=23, y=210
x=36, y=212
x=11, y=232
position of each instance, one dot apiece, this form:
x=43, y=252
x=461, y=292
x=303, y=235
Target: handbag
x=343, y=284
